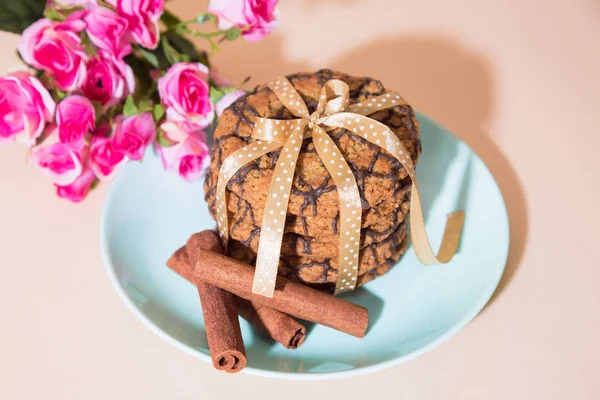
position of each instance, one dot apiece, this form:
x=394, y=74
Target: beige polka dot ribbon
x=333, y=111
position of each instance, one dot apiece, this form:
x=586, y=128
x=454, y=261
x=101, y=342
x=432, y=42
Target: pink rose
x=56, y=48
x=107, y=30
x=108, y=80
x=61, y=162
x=174, y=132
x=103, y=157
x=185, y=93
x=79, y=189
x=228, y=100
x=75, y=117
x=142, y=17
x=25, y=108
x=258, y=16
x=133, y=135
x=190, y=158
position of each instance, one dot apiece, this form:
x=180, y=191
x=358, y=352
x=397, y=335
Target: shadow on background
x=439, y=77
x=455, y=87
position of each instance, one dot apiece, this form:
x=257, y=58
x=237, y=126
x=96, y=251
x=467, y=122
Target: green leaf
x=162, y=140
x=186, y=49
x=89, y=47
x=94, y=184
x=145, y=106
x=233, y=33
x=169, y=19
x=215, y=95
x=150, y=57
x=130, y=108
x=40, y=140
x=202, y=18
x=16, y=15
x=172, y=55
x=60, y=94
x=98, y=110
x=141, y=70
x=159, y=112
x=53, y=14
x=204, y=59
x=229, y=89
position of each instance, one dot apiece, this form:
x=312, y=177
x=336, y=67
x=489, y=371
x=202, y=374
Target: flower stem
x=206, y=35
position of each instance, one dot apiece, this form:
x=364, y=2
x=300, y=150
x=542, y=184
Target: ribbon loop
x=334, y=98
x=382, y=102
x=333, y=111
x=276, y=130
x=290, y=98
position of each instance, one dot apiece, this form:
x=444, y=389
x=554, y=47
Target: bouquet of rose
x=109, y=78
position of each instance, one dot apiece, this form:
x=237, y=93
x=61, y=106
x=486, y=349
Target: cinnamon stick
x=290, y=297
x=220, y=315
x=281, y=327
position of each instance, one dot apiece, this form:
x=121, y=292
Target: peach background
x=518, y=80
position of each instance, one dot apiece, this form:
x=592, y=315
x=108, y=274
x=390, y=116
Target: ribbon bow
x=333, y=111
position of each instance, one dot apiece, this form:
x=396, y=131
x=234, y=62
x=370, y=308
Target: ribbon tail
x=350, y=209
x=231, y=165
x=380, y=135
x=450, y=239
x=275, y=212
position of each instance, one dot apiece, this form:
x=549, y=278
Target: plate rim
x=306, y=376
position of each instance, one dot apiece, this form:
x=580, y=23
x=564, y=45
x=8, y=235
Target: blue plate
x=149, y=213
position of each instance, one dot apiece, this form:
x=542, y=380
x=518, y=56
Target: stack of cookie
x=310, y=243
